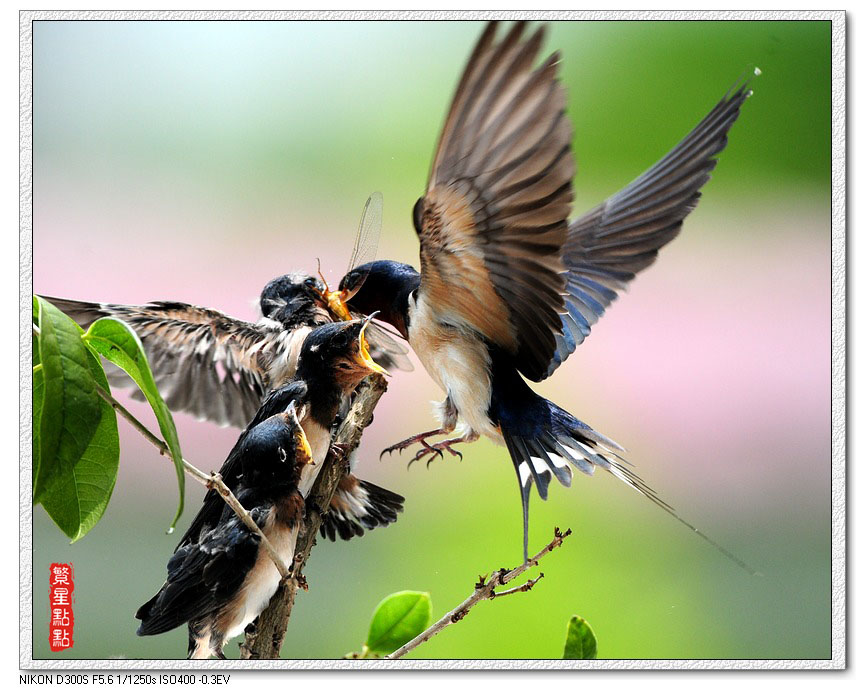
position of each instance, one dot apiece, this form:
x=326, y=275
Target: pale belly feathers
x=261, y=582
x=319, y=442
x=459, y=363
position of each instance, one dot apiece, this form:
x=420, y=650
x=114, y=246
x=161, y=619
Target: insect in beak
x=335, y=299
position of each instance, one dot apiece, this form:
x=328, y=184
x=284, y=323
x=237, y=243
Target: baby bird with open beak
x=219, y=579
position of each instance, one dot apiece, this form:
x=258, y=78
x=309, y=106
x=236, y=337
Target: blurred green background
x=197, y=160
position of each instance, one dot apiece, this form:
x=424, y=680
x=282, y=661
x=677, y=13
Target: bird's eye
x=309, y=282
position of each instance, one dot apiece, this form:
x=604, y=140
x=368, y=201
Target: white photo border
x=839, y=401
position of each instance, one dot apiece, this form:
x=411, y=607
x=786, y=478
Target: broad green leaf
x=398, y=619
x=70, y=407
x=580, y=642
x=119, y=344
x=78, y=502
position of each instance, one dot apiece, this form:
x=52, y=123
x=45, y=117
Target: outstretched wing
x=610, y=244
x=204, y=362
x=494, y=217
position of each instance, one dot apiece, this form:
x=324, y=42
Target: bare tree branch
x=265, y=636
x=483, y=590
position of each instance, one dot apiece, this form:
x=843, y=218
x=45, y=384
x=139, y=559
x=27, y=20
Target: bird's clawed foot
x=436, y=449
x=340, y=452
x=411, y=440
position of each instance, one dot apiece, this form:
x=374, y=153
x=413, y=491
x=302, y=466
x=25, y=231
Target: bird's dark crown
x=268, y=455
x=291, y=299
x=382, y=286
x=333, y=351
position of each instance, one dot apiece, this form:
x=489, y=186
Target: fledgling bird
x=219, y=580
x=219, y=368
x=335, y=357
x=508, y=287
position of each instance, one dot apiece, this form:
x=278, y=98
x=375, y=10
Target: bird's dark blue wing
x=275, y=402
x=357, y=505
x=610, y=244
x=202, y=576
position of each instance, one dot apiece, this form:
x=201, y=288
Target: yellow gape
x=365, y=357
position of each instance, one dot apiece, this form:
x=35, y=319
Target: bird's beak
x=304, y=452
x=364, y=358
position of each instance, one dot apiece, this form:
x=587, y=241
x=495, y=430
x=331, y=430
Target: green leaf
x=580, y=642
x=398, y=619
x=119, y=344
x=93, y=476
x=70, y=411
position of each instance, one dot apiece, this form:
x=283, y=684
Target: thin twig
x=525, y=587
x=211, y=481
x=265, y=636
x=483, y=590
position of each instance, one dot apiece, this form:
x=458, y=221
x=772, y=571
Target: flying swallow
x=508, y=287
x=219, y=368
x=219, y=580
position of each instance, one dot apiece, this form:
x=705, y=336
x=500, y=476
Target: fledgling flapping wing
x=610, y=244
x=494, y=217
x=204, y=362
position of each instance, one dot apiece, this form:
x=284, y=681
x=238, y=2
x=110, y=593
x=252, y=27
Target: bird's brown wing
x=494, y=217
x=204, y=362
x=610, y=244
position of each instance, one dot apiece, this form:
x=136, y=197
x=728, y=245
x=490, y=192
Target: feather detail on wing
x=610, y=244
x=357, y=505
x=204, y=362
x=202, y=576
x=494, y=217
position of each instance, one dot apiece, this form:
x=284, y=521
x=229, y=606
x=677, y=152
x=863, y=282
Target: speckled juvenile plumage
x=219, y=368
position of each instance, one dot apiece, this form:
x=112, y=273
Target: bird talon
x=339, y=450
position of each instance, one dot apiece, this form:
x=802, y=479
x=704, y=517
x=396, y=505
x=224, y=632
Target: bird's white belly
x=262, y=581
x=319, y=442
x=459, y=363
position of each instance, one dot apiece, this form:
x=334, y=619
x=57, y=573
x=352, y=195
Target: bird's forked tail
x=545, y=441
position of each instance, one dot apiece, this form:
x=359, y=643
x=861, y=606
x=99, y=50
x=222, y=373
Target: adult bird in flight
x=508, y=287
